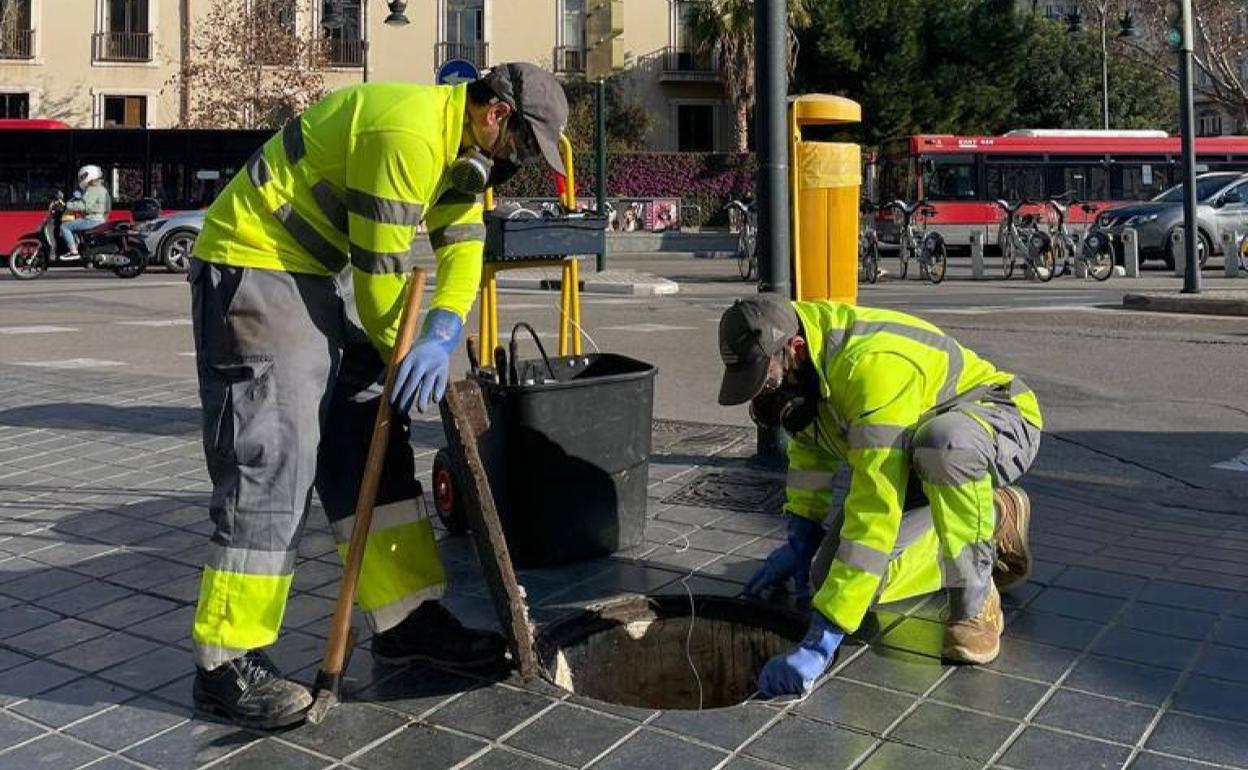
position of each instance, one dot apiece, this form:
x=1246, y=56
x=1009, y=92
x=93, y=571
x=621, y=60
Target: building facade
x=94, y=63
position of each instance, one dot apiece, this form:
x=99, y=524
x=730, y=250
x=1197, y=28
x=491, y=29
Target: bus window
x=896, y=180
x=949, y=178
x=214, y=158
x=121, y=153
x=168, y=151
x=1014, y=181
x=1088, y=181
x=1137, y=181
x=33, y=168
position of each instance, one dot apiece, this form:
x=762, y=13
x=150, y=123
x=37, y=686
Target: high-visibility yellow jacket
x=348, y=182
x=880, y=372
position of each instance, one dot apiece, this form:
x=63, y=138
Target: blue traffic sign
x=456, y=71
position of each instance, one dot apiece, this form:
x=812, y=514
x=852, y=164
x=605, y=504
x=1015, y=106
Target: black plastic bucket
x=568, y=457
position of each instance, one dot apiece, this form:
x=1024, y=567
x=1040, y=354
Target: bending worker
x=290, y=383
x=931, y=432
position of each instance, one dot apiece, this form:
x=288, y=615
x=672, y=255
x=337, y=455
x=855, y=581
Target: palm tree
x=724, y=29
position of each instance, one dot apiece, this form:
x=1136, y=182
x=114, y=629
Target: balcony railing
x=17, y=44
x=476, y=52
x=569, y=59
x=680, y=60
x=123, y=46
x=346, y=52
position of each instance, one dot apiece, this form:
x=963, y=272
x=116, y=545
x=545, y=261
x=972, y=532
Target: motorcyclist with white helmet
x=92, y=206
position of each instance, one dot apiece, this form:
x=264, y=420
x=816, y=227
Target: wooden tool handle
x=336, y=650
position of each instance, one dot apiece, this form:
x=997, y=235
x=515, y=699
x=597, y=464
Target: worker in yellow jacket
x=933, y=436
x=297, y=287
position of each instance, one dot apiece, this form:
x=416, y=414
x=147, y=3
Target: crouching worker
x=933, y=435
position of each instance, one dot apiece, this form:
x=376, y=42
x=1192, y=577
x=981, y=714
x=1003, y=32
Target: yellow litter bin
x=824, y=182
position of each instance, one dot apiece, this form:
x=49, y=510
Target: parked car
x=170, y=239
x=1222, y=199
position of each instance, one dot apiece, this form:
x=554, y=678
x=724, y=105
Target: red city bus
x=963, y=176
x=183, y=168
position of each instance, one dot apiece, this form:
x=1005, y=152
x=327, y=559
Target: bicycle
x=1014, y=238
x=868, y=245
x=1091, y=248
x=743, y=219
x=926, y=247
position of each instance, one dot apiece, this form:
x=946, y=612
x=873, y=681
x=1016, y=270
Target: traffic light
x=604, y=24
x=1178, y=24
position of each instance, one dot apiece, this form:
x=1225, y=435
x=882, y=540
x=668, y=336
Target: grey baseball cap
x=750, y=332
x=537, y=96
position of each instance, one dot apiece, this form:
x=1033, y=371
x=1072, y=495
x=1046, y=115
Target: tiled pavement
x=1128, y=649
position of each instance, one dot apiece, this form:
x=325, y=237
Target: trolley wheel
x=447, y=501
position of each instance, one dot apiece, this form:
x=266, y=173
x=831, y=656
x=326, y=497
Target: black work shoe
x=432, y=634
x=250, y=692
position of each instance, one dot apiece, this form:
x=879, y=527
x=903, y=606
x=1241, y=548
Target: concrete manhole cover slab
x=695, y=438
x=733, y=491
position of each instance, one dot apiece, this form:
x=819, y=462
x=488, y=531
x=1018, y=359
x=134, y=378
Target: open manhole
x=732, y=490
x=639, y=651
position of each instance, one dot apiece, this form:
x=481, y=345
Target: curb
x=1175, y=303
x=646, y=287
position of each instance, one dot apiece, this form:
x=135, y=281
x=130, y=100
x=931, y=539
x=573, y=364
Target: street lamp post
x=1187, y=117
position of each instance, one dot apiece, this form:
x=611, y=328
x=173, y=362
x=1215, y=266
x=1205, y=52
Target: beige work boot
x=977, y=639
x=1013, y=564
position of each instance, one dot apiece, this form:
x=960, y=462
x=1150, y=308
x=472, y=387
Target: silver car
x=170, y=239
x=1222, y=206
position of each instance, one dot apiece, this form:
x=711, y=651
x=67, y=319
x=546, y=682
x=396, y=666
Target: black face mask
x=502, y=170
x=792, y=406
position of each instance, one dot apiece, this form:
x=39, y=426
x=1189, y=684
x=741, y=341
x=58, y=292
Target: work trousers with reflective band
x=289, y=387
x=945, y=540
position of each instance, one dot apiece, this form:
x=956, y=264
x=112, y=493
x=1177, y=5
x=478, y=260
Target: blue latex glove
x=425, y=370
x=791, y=560
x=795, y=671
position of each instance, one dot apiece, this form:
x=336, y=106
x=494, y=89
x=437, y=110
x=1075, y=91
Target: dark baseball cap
x=750, y=332
x=537, y=97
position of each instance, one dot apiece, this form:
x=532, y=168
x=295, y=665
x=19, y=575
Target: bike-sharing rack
x=977, y=256
x=1131, y=252
x=1230, y=242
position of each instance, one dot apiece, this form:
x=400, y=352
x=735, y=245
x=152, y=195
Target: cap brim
x=549, y=145
x=742, y=382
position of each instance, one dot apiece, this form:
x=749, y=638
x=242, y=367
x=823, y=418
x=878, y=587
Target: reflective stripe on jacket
x=880, y=372
x=348, y=182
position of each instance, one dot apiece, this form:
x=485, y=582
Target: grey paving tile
x=502, y=759
x=1169, y=621
x=346, y=729
x=11, y=658
x=806, y=745
x=20, y=619
x=48, y=639
x=1200, y=739
x=1096, y=716
x=1040, y=749
x=129, y=611
x=1149, y=761
x=1224, y=663
x=128, y=723
x=570, y=735
x=271, y=755
x=916, y=635
x=1213, y=698
x=33, y=678
x=995, y=693
x=726, y=727
x=416, y=690
x=1232, y=632
x=895, y=670
x=1187, y=596
x=433, y=747
x=489, y=711
x=1100, y=581
x=151, y=670
x=171, y=627
x=1143, y=647
x=634, y=713
x=190, y=745
x=1076, y=604
x=42, y=582
x=748, y=763
x=952, y=731
x=13, y=730
x=84, y=597
x=104, y=651
x=113, y=763
x=1056, y=630
x=1123, y=679
x=651, y=750
x=1032, y=660
x=896, y=756
x=51, y=752
x=74, y=701
x=855, y=705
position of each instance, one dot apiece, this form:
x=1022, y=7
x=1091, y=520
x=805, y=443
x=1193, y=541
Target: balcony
x=684, y=66
x=18, y=44
x=569, y=60
x=345, y=53
x=476, y=52
x=123, y=46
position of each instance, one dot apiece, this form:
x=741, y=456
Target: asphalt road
x=1157, y=395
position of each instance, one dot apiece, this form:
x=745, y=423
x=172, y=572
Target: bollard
x=1178, y=248
x=1230, y=253
x=1131, y=252
x=977, y=256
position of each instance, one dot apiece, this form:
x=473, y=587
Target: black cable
x=540, y=348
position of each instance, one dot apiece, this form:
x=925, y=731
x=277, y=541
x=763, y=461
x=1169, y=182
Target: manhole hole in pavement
x=640, y=651
x=734, y=491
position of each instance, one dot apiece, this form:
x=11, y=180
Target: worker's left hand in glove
x=425, y=370
x=791, y=560
x=794, y=672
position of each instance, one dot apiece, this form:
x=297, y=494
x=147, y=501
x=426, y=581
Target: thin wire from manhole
x=732, y=490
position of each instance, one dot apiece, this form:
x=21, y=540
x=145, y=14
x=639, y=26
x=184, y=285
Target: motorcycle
x=115, y=246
